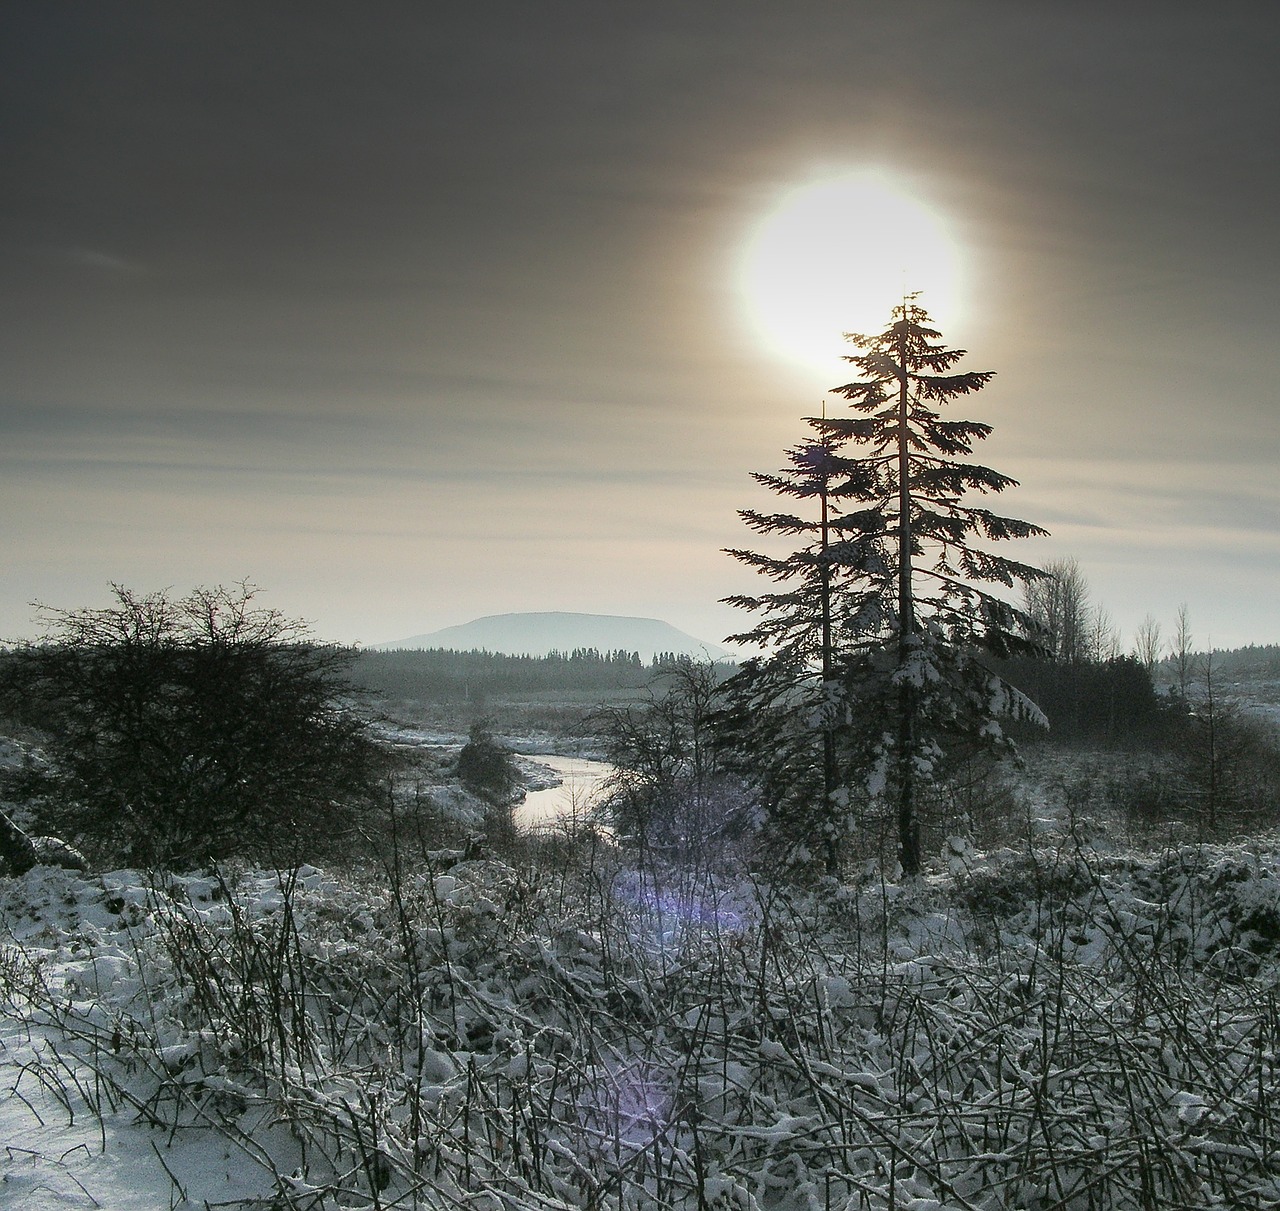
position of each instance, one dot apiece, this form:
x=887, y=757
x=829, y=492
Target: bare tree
x=184, y=729
x=1102, y=638
x=669, y=794
x=1182, y=653
x=1147, y=644
x=1059, y=606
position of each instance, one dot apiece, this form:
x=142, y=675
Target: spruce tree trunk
x=908, y=826
x=830, y=769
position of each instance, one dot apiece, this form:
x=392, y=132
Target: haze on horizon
x=412, y=315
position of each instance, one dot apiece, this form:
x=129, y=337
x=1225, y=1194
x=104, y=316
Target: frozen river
x=579, y=781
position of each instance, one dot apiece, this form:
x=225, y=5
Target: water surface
x=580, y=778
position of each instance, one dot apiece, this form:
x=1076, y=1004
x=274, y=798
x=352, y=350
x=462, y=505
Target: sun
x=835, y=255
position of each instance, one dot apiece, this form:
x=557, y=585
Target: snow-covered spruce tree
x=782, y=712
x=873, y=648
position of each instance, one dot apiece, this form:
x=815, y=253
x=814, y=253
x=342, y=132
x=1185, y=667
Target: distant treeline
x=1257, y=662
x=440, y=674
x=1116, y=701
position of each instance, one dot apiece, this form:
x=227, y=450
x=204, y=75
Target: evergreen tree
x=485, y=767
x=872, y=648
x=784, y=711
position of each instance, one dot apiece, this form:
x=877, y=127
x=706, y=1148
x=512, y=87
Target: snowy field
x=1057, y=1027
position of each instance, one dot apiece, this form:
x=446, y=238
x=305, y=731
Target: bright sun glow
x=834, y=256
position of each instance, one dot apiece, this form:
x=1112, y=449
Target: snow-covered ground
x=66, y=1146
x=76, y=1125
x=1057, y=1026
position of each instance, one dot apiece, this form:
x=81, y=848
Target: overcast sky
x=413, y=312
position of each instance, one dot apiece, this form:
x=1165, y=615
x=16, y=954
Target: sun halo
x=835, y=255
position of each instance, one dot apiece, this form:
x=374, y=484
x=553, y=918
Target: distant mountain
x=538, y=634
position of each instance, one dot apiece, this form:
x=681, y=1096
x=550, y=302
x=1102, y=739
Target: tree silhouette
x=196, y=728
x=875, y=639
